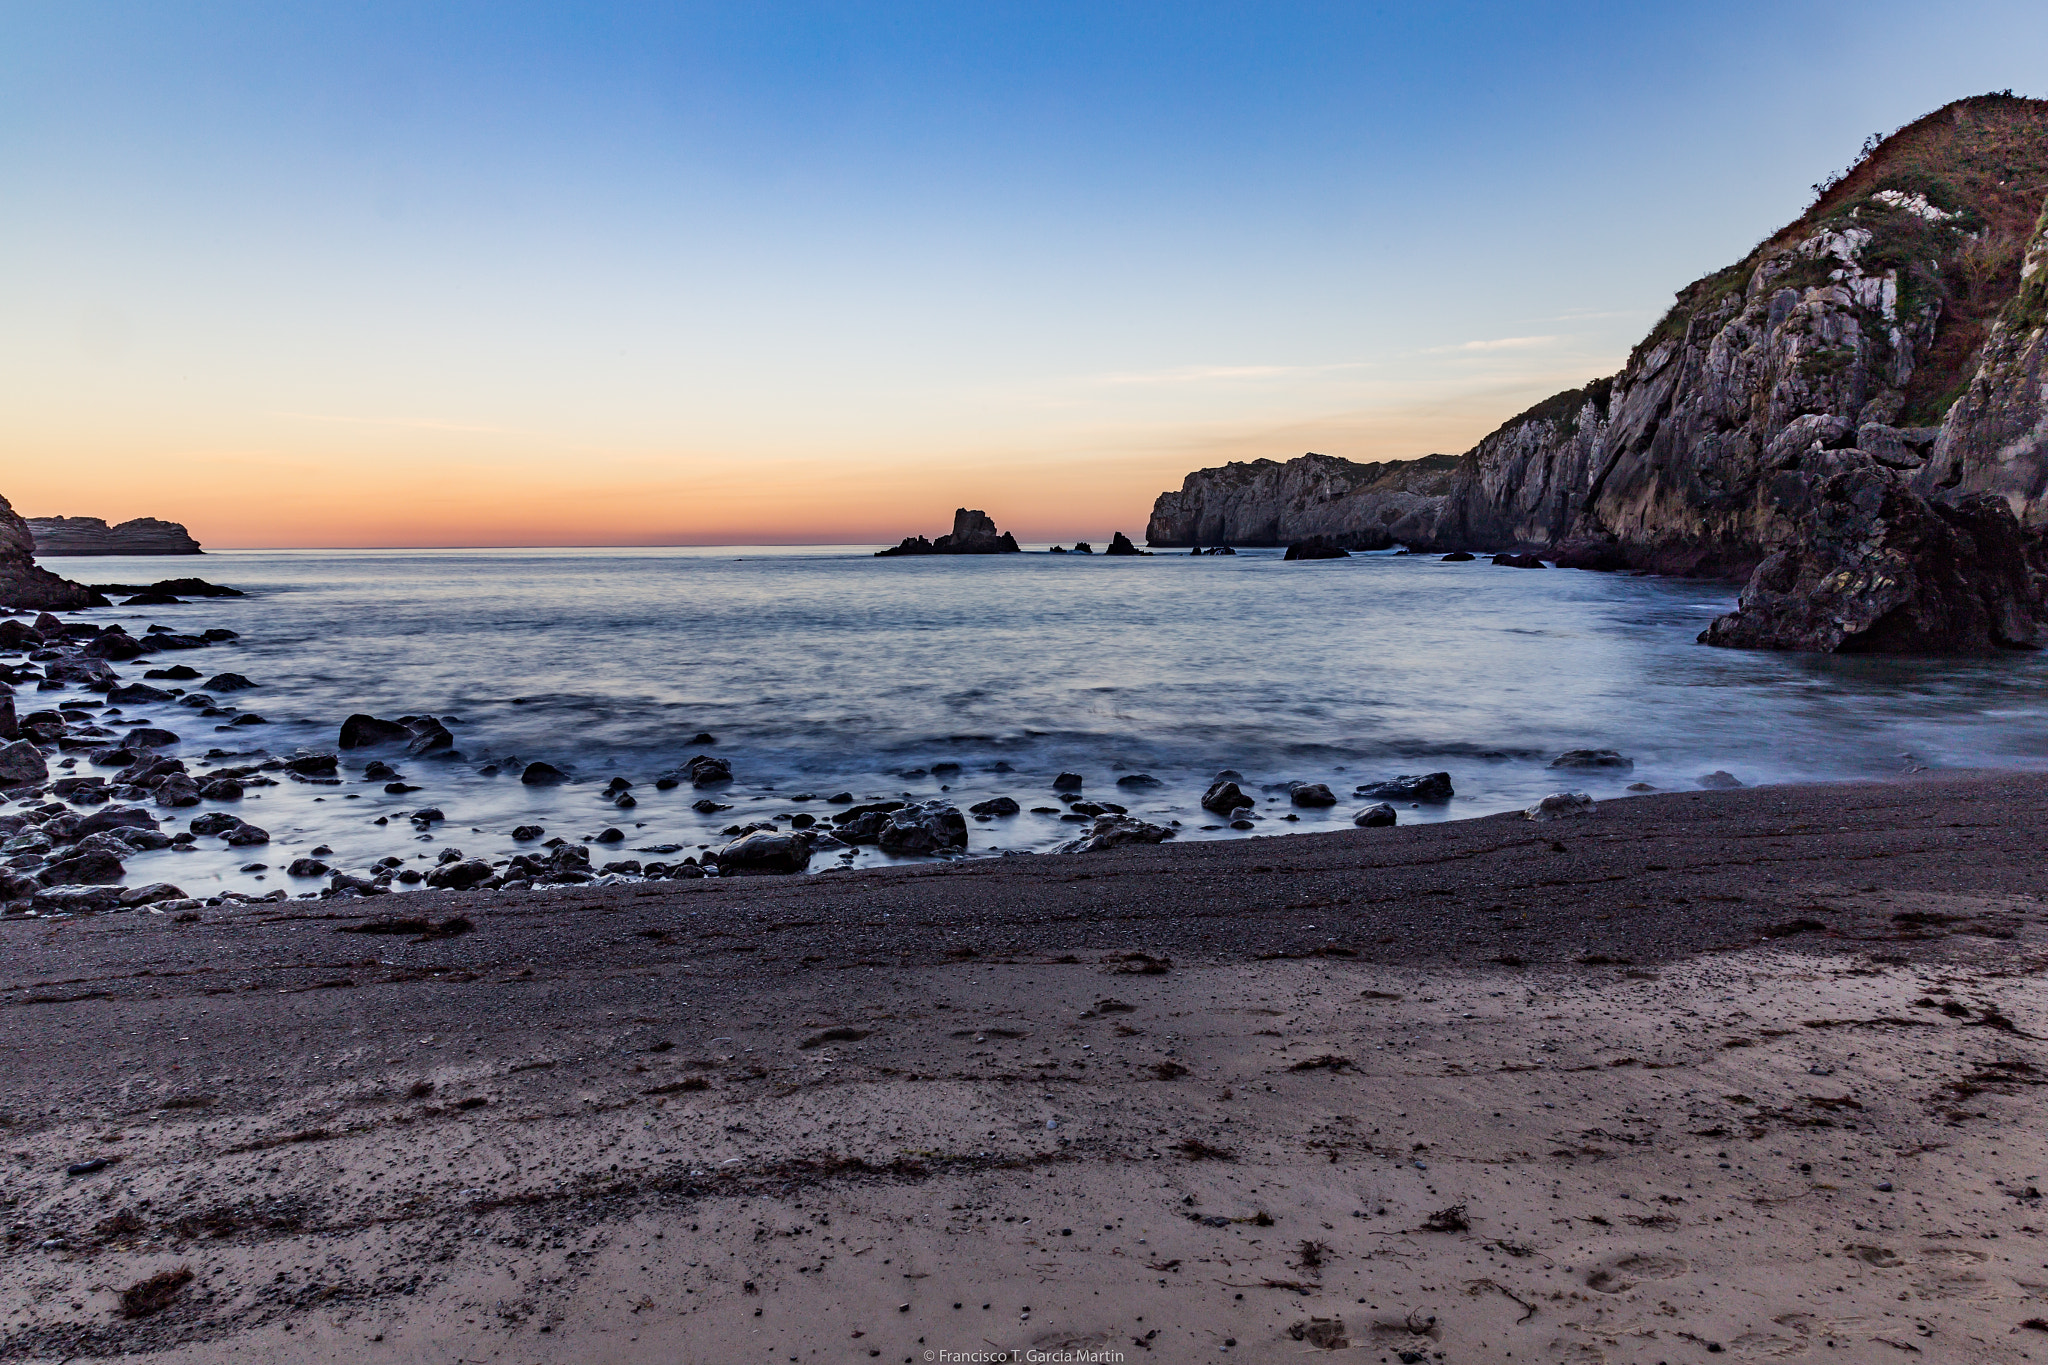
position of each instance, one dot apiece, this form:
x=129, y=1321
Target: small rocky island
x=92, y=536
x=974, y=533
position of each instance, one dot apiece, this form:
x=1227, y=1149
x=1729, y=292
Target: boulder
x=1139, y=781
x=1433, y=788
x=22, y=764
x=1225, y=798
x=460, y=875
x=213, y=822
x=176, y=791
x=1067, y=782
x=311, y=765
x=766, y=851
x=1512, y=561
x=228, y=682
x=115, y=817
x=175, y=673
x=77, y=900
x=307, y=867
x=1559, y=805
x=1311, y=795
x=245, y=835
x=923, y=828
x=116, y=645
x=1881, y=570
x=1115, y=831
x=428, y=735
x=1593, y=758
x=542, y=775
x=138, y=694
x=151, y=894
x=221, y=789
x=1719, y=781
x=362, y=731
x=1315, y=549
x=97, y=868
x=149, y=737
x=1459, y=557
x=1375, y=816
x=995, y=805
x=706, y=771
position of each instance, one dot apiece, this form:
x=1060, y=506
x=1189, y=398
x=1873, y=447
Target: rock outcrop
x=23, y=583
x=1311, y=498
x=92, y=536
x=1823, y=415
x=974, y=533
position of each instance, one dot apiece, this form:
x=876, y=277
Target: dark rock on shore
x=1513, y=561
x=974, y=533
x=228, y=682
x=923, y=828
x=1115, y=831
x=765, y=852
x=1311, y=795
x=22, y=764
x=1068, y=782
x=1432, y=788
x=706, y=771
x=542, y=775
x=998, y=805
x=1375, y=816
x=1139, y=781
x=428, y=735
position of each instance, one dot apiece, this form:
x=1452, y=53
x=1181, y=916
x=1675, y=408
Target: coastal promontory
x=23, y=583
x=92, y=536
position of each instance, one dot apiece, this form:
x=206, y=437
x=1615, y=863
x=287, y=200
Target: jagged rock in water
x=974, y=533
x=1594, y=758
x=1120, y=544
x=1225, y=798
x=92, y=536
x=1881, y=570
x=922, y=827
x=1376, y=816
x=22, y=583
x=1434, y=788
x=1315, y=549
x=22, y=764
x=362, y=731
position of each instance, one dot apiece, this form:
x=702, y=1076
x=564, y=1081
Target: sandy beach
x=1737, y=1074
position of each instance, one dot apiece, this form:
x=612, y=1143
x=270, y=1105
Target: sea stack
x=92, y=536
x=974, y=533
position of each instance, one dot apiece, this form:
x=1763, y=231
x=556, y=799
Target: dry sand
x=1756, y=1080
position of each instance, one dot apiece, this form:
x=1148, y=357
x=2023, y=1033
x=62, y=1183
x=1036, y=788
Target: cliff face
x=1266, y=502
x=22, y=584
x=1855, y=328
x=92, y=536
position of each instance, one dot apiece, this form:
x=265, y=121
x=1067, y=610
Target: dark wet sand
x=618, y=1124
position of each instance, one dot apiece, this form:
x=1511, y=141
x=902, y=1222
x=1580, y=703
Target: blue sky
x=708, y=273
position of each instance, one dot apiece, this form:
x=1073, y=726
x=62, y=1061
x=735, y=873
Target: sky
x=508, y=273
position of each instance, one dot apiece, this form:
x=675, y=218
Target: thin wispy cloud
x=1210, y=374
x=403, y=423
x=1497, y=344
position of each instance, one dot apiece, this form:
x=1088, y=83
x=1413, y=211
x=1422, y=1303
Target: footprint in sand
x=1623, y=1274
x=1884, y=1258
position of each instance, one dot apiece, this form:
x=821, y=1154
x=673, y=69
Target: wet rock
x=1718, y=781
x=1120, y=544
x=135, y=694
x=150, y=894
x=706, y=771
x=244, y=835
x=1067, y=782
x=307, y=867
x=923, y=828
x=995, y=805
x=1224, y=798
x=1139, y=782
x=149, y=737
x=427, y=815
x=228, y=682
x=1315, y=549
x=82, y=899
x=1432, y=788
x=1375, y=816
x=523, y=833
x=428, y=736
x=114, y=645
x=21, y=764
x=362, y=731
x=1593, y=758
x=115, y=817
x=1311, y=795
x=378, y=770
x=1518, y=561
x=96, y=868
x=10, y=725
x=175, y=673
x=213, y=822
x=542, y=775
x=704, y=805
x=177, y=790
x=1459, y=557
x=1560, y=805
x=611, y=835
x=766, y=851
x=1115, y=831
x=461, y=875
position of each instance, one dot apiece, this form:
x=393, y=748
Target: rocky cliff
x=1315, y=497
x=92, y=536
x=22, y=584
x=1823, y=415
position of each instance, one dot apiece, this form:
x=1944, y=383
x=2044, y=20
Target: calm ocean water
x=822, y=670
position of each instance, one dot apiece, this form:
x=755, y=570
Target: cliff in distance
x=1887, y=347
x=1355, y=506
x=92, y=536
x=22, y=583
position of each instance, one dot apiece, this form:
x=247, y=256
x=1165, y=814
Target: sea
x=822, y=670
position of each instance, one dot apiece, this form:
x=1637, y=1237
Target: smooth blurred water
x=822, y=670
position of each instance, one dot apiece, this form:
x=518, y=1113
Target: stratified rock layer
x=1314, y=497
x=92, y=536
